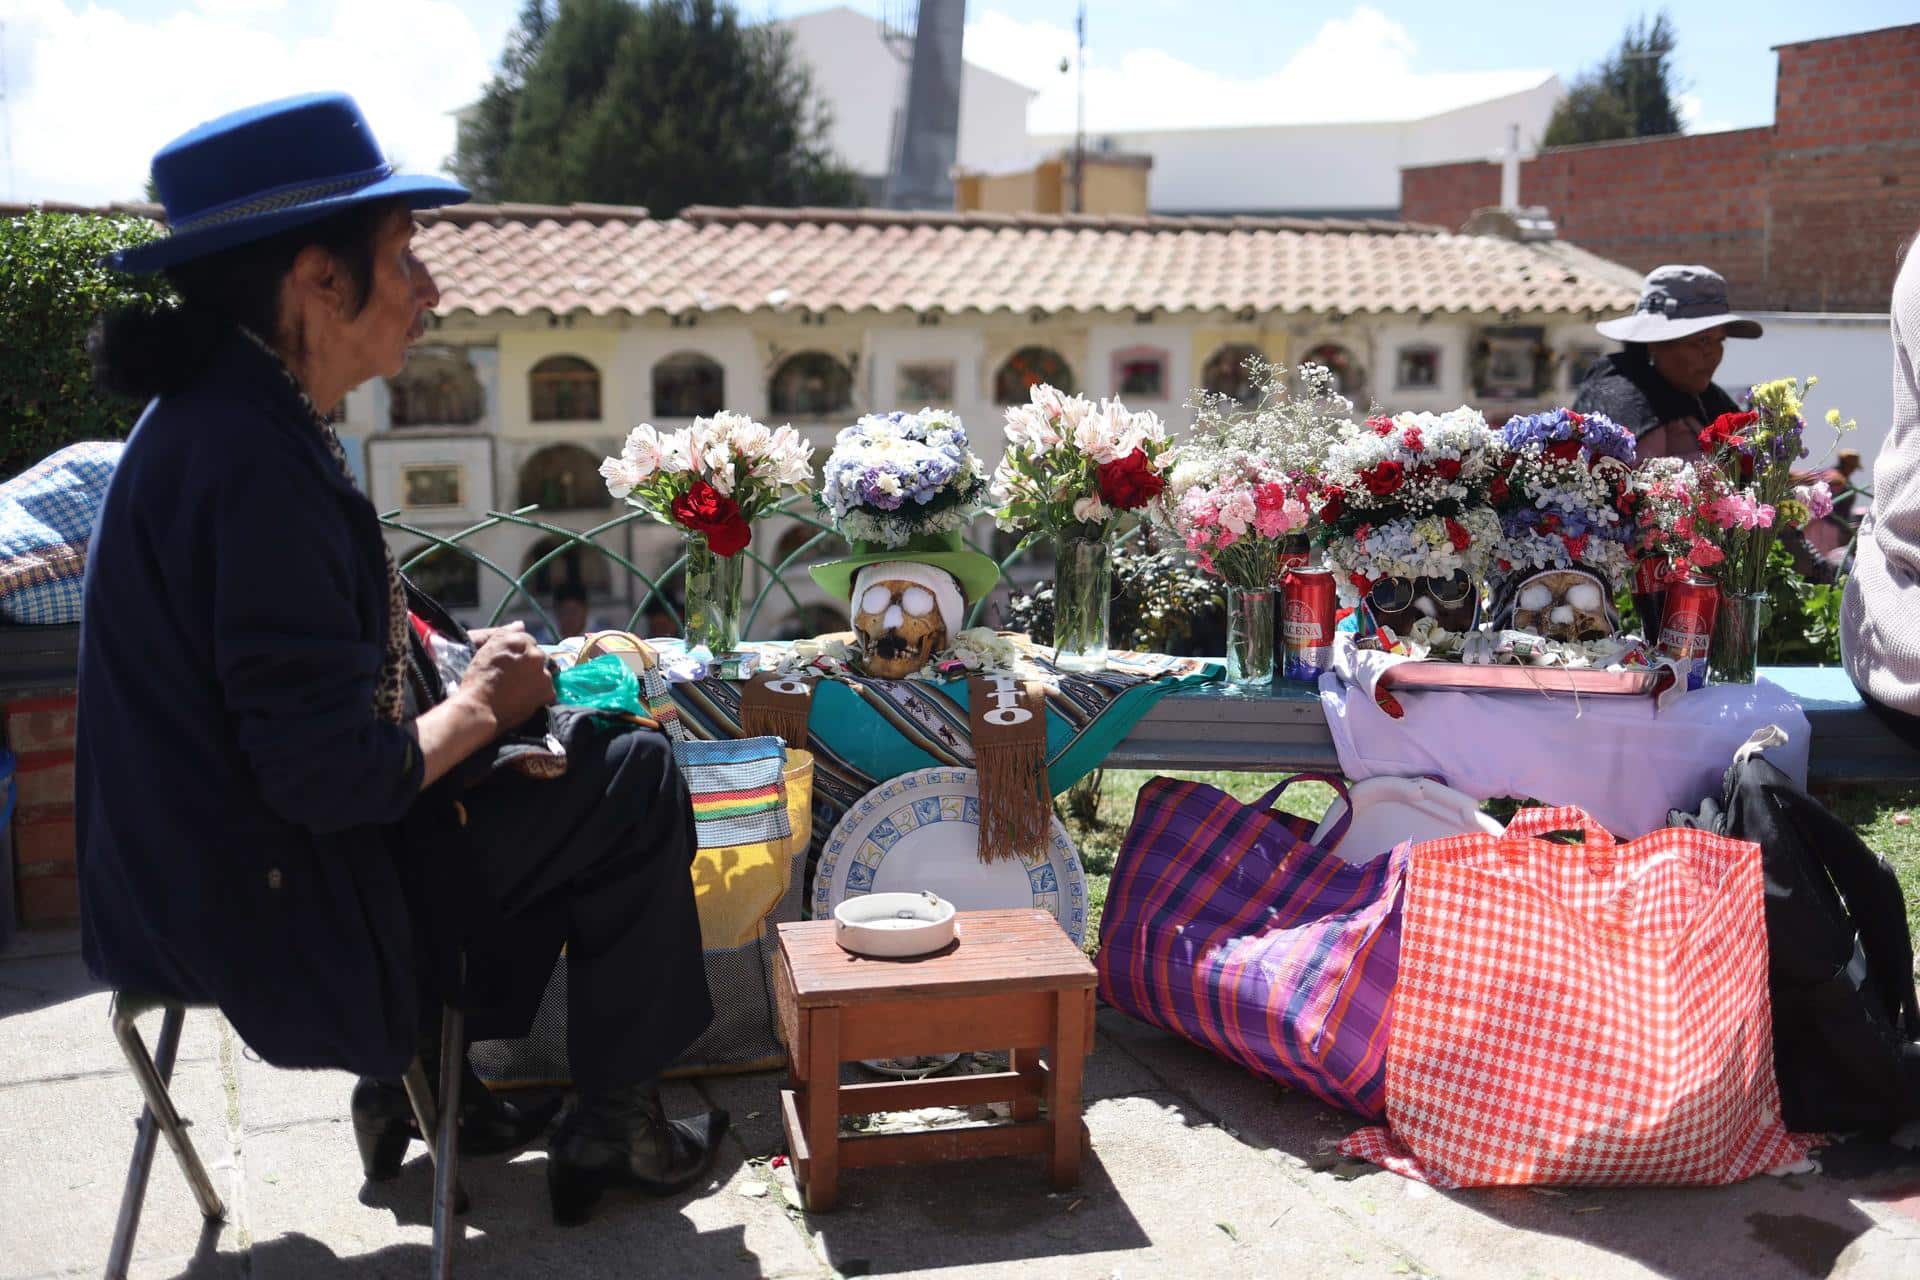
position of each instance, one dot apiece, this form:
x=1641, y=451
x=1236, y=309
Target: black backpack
x=1846, y=1026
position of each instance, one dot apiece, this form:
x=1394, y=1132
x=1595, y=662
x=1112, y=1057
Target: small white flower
x=1090, y=510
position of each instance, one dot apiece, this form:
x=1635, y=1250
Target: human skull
x=1453, y=602
x=1564, y=604
x=900, y=627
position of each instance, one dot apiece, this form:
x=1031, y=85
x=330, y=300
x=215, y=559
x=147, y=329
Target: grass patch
x=1878, y=813
x=1888, y=819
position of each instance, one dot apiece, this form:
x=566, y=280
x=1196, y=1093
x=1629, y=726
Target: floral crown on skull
x=1411, y=496
x=1569, y=496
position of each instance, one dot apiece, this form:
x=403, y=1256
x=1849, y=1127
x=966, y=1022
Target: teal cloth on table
x=864, y=731
x=844, y=717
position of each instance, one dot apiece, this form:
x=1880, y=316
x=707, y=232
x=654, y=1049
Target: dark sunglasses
x=1391, y=595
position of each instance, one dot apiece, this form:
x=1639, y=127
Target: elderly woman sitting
x=1660, y=385
x=281, y=810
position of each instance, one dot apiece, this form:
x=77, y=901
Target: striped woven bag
x=1225, y=925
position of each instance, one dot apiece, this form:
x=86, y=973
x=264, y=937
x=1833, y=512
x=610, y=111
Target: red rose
x=1457, y=534
x=1128, y=483
x=1725, y=429
x=1498, y=489
x=1335, y=506
x=1383, y=478
x=704, y=509
x=1565, y=450
x=1449, y=468
x=1576, y=547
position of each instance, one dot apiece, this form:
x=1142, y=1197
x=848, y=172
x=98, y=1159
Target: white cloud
x=95, y=93
x=1356, y=68
x=1694, y=118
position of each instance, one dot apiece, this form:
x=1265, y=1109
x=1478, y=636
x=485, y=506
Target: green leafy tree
x=486, y=127
x=1629, y=95
x=52, y=288
x=662, y=104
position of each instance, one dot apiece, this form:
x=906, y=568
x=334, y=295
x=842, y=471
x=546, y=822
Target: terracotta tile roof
x=606, y=259
x=601, y=260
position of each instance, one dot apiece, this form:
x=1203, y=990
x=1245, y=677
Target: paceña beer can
x=1686, y=628
x=1306, y=622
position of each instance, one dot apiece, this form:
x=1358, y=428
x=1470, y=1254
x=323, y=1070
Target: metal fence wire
x=1034, y=552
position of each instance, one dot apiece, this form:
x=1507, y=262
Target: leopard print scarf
x=389, y=696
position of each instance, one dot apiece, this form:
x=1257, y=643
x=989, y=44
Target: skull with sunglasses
x=1453, y=602
x=904, y=613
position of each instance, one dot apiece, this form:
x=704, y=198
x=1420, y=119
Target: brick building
x=1806, y=214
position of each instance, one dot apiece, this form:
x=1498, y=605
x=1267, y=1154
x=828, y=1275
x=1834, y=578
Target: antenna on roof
x=899, y=20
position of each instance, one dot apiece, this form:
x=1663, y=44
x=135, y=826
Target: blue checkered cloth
x=47, y=513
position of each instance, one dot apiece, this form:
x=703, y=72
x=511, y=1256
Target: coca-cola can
x=1650, y=577
x=1306, y=622
x=1686, y=628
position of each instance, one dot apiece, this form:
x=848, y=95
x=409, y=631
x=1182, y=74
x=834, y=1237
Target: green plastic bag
x=605, y=683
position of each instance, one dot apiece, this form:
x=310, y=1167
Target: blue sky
x=97, y=85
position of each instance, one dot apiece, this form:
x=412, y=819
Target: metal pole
x=1080, y=110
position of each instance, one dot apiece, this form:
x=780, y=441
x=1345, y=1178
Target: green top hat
x=978, y=574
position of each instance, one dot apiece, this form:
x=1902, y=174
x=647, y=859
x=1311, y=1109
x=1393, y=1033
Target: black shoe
x=624, y=1139
x=490, y=1125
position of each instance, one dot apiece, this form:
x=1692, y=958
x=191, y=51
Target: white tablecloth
x=1621, y=759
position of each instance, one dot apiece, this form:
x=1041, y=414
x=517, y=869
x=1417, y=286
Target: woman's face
x=1689, y=363
x=398, y=298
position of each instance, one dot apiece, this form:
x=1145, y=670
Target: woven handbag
x=1226, y=925
x=1585, y=1014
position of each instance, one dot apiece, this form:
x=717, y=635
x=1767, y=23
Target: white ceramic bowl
x=892, y=925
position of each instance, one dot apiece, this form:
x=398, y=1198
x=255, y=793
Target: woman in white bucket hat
x=1660, y=386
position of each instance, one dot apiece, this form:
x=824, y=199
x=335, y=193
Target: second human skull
x=1564, y=604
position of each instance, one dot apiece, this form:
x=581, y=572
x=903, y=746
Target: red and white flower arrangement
x=1721, y=515
x=1072, y=467
x=1410, y=496
x=1247, y=479
x=714, y=478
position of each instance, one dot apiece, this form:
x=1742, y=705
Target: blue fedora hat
x=264, y=169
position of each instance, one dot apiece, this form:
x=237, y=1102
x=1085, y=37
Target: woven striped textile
x=47, y=514
x=737, y=795
x=1225, y=925
x=1582, y=1014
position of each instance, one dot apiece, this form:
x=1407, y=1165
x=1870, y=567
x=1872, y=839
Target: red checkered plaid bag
x=1581, y=1013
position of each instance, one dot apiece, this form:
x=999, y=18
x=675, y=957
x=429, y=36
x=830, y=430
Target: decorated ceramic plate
x=921, y=831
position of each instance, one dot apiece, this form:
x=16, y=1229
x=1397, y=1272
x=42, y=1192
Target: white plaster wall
x=1852, y=355
x=1476, y=132
x=864, y=85
x=1448, y=337
x=1104, y=341
x=1318, y=166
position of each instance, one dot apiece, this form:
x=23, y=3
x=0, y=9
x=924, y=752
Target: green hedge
x=52, y=288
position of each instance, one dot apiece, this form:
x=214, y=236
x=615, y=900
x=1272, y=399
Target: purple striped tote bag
x=1225, y=925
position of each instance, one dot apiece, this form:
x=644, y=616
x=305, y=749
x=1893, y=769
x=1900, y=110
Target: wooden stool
x=1010, y=979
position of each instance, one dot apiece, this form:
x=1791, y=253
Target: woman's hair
x=144, y=351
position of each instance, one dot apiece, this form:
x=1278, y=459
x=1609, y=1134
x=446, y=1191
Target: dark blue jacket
x=236, y=795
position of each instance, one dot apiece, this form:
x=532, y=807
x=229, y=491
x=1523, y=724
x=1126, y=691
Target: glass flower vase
x=1082, y=598
x=713, y=596
x=1734, y=653
x=1249, y=636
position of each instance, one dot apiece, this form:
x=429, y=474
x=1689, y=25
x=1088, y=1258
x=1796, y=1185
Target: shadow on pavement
x=1764, y=1227
x=971, y=1214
